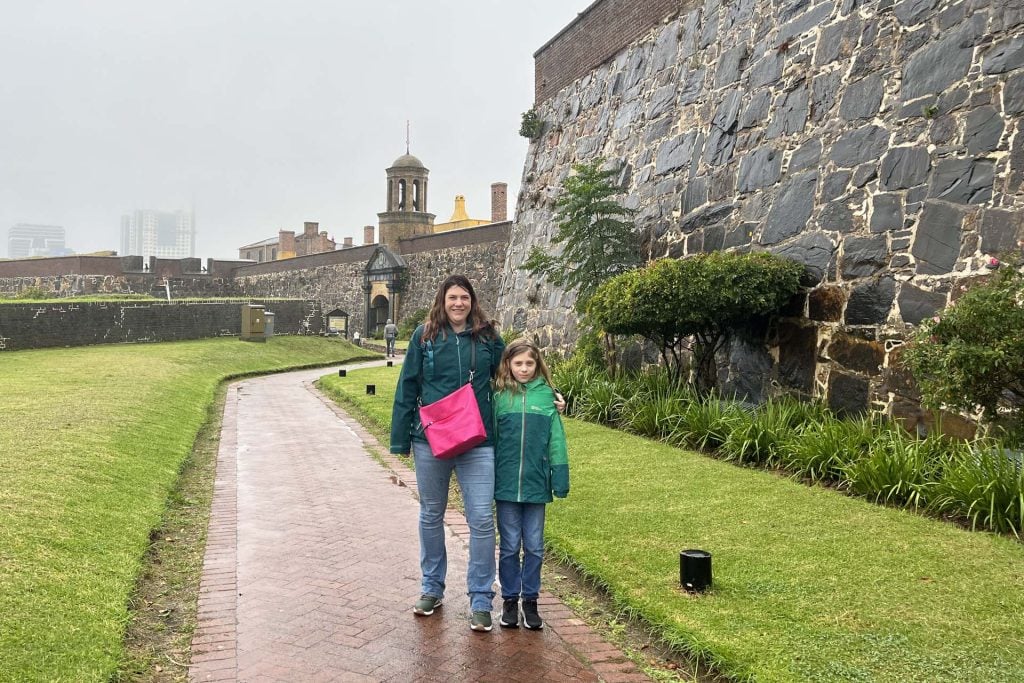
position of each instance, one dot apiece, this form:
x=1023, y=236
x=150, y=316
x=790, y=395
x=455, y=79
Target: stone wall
x=32, y=326
x=880, y=143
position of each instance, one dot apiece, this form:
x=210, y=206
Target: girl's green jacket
x=530, y=457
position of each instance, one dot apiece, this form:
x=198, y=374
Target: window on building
x=415, y=195
x=401, y=195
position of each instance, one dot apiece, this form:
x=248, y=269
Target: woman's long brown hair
x=481, y=326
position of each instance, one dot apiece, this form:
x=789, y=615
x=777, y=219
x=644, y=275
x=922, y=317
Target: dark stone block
x=691, y=87
x=824, y=92
x=899, y=261
x=662, y=101
x=791, y=209
x=847, y=394
x=706, y=216
x=983, y=130
x=856, y=354
x=943, y=130
x=918, y=304
x=675, y=154
x=904, y=167
x=862, y=98
x=791, y=111
x=797, y=355
x=767, y=70
x=695, y=194
x=729, y=66
x=714, y=238
x=805, y=22
x=740, y=235
x=911, y=12
x=896, y=377
x=864, y=174
x=937, y=66
x=1013, y=95
x=815, y=250
x=749, y=368
x=1002, y=232
x=937, y=242
x=871, y=302
x=756, y=110
x=806, y=156
x=837, y=41
x=863, y=256
x=886, y=212
x=835, y=185
x=964, y=181
x=826, y=304
x=666, y=48
x=1006, y=55
x=836, y=217
x=860, y=145
x=759, y=168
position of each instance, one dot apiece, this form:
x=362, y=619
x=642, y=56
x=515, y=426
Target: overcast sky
x=260, y=114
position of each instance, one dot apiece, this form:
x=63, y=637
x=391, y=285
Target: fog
x=259, y=115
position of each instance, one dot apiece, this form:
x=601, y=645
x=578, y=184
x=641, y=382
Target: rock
x=918, y=304
x=767, y=70
x=904, y=167
x=862, y=98
x=797, y=346
x=911, y=12
x=806, y=156
x=676, y=153
x=983, y=130
x=856, y=354
x=791, y=111
x=836, y=217
x=791, y=209
x=937, y=242
x=936, y=66
x=835, y=185
x=1002, y=232
x=729, y=65
x=870, y=303
x=662, y=101
x=815, y=250
x=864, y=256
x=859, y=145
x=1006, y=55
x=759, y=168
x=964, y=181
x=847, y=394
x=756, y=110
x=708, y=215
x=826, y=304
x=1013, y=95
x=886, y=213
x=824, y=92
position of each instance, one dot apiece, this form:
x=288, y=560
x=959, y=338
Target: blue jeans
x=521, y=526
x=475, y=471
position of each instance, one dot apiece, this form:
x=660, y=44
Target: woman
x=437, y=363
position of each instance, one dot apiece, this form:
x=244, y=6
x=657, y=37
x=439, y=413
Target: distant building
x=26, y=239
x=164, y=234
x=289, y=245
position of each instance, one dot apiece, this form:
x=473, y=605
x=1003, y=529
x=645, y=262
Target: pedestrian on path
x=390, y=335
x=437, y=363
x=531, y=464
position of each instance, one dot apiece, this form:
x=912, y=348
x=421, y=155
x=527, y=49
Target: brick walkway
x=312, y=564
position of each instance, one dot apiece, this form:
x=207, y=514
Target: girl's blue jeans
x=474, y=470
x=521, y=526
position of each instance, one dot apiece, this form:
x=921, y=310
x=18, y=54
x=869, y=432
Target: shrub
x=704, y=422
x=602, y=402
x=759, y=437
x=899, y=469
x=820, y=450
x=409, y=323
x=33, y=294
x=986, y=486
x=973, y=355
x=532, y=125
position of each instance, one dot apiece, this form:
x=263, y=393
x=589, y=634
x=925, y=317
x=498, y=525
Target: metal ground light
x=695, y=570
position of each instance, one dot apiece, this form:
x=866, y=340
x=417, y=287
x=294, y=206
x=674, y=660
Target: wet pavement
x=312, y=564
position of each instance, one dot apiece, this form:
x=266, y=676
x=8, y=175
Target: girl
x=531, y=463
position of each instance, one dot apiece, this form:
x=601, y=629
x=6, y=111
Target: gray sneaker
x=426, y=605
x=481, y=621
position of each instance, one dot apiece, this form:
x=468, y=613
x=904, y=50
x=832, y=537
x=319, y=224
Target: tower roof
x=407, y=160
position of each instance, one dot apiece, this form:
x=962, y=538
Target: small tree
x=532, y=125
x=595, y=233
x=972, y=356
x=704, y=298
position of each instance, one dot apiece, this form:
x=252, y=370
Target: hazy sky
x=261, y=114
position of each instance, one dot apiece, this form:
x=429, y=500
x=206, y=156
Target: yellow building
x=460, y=219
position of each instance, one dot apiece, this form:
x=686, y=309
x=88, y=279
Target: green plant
x=820, y=450
x=409, y=323
x=532, y=125
x=760, y=436
x=929, y=111
x=984, y=485
x=594, y=231
x=972, y=356
x=705, y=422
x=32, y=294
x=706, y=297
x=602, y=402
x=899, y=469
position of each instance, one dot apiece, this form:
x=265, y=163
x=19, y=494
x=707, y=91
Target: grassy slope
x=809, y=584
x=91, y=442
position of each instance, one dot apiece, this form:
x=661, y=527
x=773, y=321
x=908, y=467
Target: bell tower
x=406, y=215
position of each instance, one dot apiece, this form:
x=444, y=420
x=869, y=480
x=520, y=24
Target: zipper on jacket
x=458, y=352
x=522, y=450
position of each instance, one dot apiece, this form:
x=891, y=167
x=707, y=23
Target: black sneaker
x=531, y=619
x=510, y=613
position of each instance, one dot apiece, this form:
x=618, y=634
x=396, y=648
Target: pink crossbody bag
x=453, y=424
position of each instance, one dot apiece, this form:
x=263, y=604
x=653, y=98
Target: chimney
x=499, y=202
x=347, y=244
x=368, y=234
x=309, y=229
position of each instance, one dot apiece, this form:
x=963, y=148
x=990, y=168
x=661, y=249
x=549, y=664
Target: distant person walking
x=437, y=362
x=390, y=335
x=531, y=464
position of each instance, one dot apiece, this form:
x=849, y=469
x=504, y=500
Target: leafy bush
x=704, y=423
x=760, y=436
x=410, y=322
x=899, y=469
x=32, y=294
x=973, y=355
x=602, y=402
x=532, y=125
x=985, y=486
x=706, y=297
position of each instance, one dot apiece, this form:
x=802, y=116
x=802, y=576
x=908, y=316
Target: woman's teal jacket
x=531, y=460
x=432, y=370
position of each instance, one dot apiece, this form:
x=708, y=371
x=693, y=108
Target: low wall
x=34, y=326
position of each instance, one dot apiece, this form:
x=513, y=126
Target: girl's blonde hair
x=505, y=380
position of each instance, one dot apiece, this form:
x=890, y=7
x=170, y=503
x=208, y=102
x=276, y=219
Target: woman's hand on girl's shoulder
x=559, y=402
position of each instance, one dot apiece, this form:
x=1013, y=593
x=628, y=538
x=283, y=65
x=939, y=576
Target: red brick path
x=312, y=565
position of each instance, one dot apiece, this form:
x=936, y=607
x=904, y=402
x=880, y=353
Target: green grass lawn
x=91, y=443
x=809, y=584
